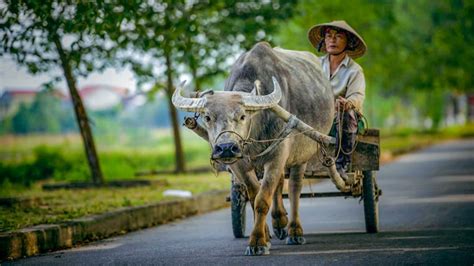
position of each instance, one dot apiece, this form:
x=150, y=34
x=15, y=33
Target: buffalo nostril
x=218, y=149
x=226, y=150
x=235, y=149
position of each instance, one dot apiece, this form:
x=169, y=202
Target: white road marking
x=435, y=156
x=409, y=237
x=95, y=247
x=458, y=178
x=439, y=199
x=366, y=250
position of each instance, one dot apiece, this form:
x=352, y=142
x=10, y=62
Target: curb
x=43, y=238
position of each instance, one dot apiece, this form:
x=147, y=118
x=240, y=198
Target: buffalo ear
x=257, y=88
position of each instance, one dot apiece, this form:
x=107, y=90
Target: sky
x=13, y=75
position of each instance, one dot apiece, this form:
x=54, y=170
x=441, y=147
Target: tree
x=433, y=40
x=442, y=30
x=70, y=35
x=199, y=36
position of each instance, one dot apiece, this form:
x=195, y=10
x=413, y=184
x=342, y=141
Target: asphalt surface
x=426, y=217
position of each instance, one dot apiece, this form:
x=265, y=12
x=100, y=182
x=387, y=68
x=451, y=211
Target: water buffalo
x=260, y=79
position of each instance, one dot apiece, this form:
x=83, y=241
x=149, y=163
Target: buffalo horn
x=256, y=102
x=187, y=104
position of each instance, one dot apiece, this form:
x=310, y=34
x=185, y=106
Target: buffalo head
x=227, y=116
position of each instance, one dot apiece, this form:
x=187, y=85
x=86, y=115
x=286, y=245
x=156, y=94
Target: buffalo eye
x=242, y=118
x=207, y=118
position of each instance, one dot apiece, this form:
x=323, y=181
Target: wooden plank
x=322, y=195
x=365, y=157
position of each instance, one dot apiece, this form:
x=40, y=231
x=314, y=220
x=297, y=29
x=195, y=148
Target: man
x=342, y=44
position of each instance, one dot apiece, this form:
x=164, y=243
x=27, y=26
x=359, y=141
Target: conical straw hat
x=315, y=36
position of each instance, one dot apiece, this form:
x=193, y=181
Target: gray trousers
x=346, y=138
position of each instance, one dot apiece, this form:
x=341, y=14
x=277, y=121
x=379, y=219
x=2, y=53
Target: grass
x=121, y=161
x=118, y=161
x=62, y=205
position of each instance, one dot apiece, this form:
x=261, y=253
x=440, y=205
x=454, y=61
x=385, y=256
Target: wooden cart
x=362, y=177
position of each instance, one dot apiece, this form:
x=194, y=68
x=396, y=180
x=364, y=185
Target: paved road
x=426, y=216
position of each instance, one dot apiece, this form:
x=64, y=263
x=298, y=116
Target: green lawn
x=63, y=205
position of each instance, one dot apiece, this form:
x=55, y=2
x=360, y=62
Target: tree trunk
x=179, y=155
x=81, y=116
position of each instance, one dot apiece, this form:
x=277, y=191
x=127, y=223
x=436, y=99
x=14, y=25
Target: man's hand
x=343, y=103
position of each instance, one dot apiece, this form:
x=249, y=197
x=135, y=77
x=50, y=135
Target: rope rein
x=340, y=119
x=287, y=132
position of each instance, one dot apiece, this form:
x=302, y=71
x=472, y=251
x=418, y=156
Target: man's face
x=335, y=41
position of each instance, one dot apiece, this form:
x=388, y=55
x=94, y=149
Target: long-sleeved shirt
x=347, y=81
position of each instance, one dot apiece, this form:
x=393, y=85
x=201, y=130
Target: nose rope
x=282, y=135
x=242, y=141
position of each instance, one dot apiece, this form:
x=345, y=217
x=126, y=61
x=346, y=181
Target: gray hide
x=306, y=94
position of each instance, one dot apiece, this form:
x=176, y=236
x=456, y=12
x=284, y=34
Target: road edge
x=48, y=237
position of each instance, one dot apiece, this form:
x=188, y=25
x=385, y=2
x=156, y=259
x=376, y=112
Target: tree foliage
x=435, y=37
x=224, y=29
x=28, y=29
x=199, y=35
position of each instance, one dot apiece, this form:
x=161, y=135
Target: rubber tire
x=371, y=207
x=238, y=202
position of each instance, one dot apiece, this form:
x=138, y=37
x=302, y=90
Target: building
x=102, y=97
x=95, y=98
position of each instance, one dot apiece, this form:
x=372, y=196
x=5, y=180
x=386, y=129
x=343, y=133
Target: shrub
x=47, y=162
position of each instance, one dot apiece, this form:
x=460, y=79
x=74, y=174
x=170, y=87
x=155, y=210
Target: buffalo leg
x=279, y=214
x=259, y=242
x=247, y=177
x=295, y=230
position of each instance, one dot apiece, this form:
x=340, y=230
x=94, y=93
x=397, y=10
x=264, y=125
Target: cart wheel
x=238, y=201
x=371, y=208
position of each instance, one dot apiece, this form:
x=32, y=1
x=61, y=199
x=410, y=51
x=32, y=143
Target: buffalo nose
x=226, y=150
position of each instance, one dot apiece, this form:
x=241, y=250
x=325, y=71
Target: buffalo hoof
x=258, y=250
x=280, y=233
x=295, y=240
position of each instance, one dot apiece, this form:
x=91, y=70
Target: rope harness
x=286, y=133
x=340, y=120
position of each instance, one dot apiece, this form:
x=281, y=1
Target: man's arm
x=355, y=93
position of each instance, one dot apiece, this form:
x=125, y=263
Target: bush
x=14, y=174
x=47, y=163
